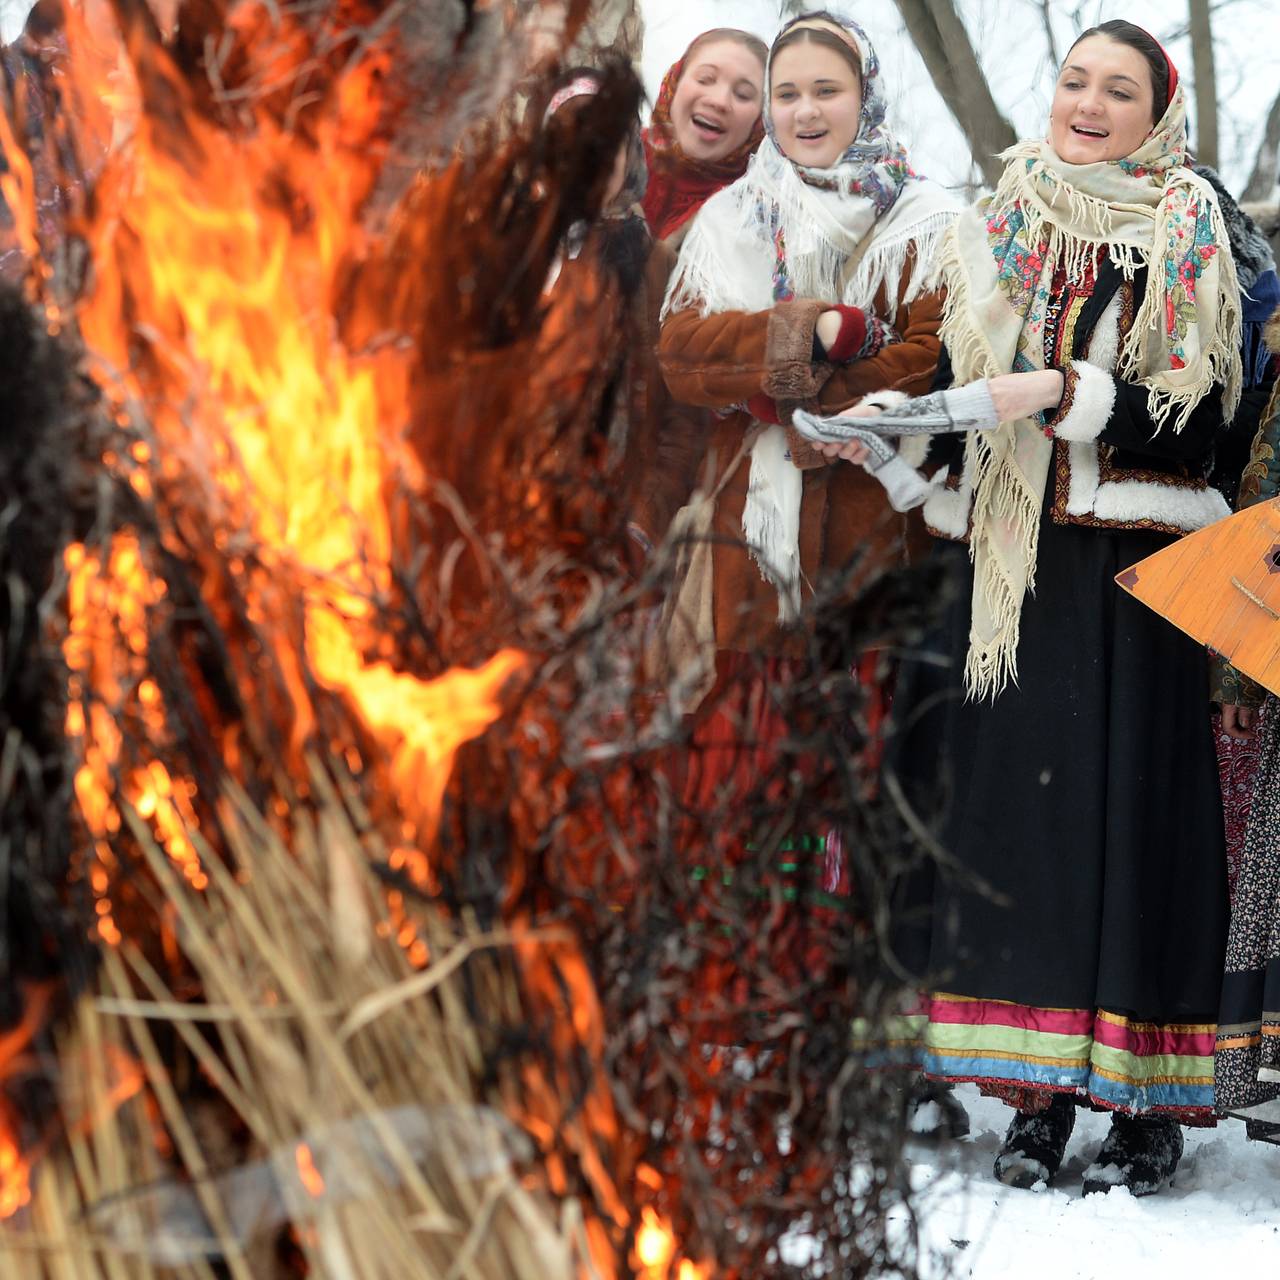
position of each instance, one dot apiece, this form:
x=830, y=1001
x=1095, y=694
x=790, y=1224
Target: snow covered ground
x=1220, y=1217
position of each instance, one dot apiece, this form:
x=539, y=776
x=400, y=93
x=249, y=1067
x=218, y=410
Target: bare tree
x=939, y=34
x=1262, y=181
x=1206, y=83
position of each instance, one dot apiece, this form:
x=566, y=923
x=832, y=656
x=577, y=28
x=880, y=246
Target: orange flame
x=15, y=1170
x=656, y=1250
x=308, y=1174
x=15, y=1176
x=222, y=250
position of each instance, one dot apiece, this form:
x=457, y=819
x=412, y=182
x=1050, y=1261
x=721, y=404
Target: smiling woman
x=1109, y=94
x=1095, y=293
x=815, y=96
x=808, y=282
x=706, y=124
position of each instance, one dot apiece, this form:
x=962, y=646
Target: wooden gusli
x=1222, y=586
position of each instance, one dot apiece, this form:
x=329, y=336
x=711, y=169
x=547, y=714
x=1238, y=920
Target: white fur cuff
x=914, y=449
x=1092, y=396
x=885, y=399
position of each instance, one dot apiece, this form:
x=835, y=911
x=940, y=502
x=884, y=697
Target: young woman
x=1079, y=959
x=1247, y=1061
x=705, y=126
x=805, y=282
x=808, y=282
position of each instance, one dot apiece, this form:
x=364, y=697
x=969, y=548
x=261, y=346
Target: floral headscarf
x=875, y=163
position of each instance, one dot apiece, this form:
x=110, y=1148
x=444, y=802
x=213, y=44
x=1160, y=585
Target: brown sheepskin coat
x=722, y=360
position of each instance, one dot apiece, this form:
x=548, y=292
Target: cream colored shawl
x=1147, y=210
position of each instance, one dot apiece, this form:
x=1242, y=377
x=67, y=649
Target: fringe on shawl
x=820, y=269
x=1220, y=350
x=770, y=521
x=1000, y=494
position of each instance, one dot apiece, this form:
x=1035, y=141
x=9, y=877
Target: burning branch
x=423, y=951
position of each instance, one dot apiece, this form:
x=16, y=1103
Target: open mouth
x=811, y=135
x=707, y=126
x=1089, y=131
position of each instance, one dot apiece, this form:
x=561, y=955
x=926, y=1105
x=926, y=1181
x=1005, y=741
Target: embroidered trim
x=1070, y=380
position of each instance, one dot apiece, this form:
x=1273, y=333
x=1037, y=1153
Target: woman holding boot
x=705, y=127
x=808, y=282
x=1078, y=957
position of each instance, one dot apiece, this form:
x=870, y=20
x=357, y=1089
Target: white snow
x=1220, y=1217
x=926, y=1118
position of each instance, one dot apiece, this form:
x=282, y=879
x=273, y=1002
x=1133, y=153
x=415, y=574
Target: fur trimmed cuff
x=1088, y=397
x=788, y=352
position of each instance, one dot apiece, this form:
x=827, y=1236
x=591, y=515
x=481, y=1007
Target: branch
x=1262, y=181
x=1206, y=83
x=1046, y=16
x=940, y=36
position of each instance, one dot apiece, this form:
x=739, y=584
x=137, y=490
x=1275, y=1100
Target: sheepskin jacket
x=1111, y=468
x=724, y=360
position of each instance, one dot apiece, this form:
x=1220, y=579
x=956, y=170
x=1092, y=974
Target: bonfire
x=354, y=925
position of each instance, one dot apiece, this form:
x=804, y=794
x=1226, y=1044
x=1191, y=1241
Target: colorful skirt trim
x=1117, y=1063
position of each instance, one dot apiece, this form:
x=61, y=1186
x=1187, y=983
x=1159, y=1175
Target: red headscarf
x=678, y=186
x=1173, y=72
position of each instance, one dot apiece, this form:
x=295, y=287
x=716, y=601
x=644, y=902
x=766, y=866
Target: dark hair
x=47, y=18
x=734, y=34
x=586, y=127
x=793, y=34
x=1146, y=44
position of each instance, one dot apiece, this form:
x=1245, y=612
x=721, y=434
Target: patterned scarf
x=679, y=186
x=786, y=231
x=1146, y=210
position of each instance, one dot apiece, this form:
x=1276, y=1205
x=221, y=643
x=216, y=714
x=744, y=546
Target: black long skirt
x=1078, y=945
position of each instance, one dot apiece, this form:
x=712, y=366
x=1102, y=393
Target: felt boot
x=1035, y=1144
x=1140, y=1152
x=934, y=1111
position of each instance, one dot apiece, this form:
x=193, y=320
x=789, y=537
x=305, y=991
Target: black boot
x=934, y=1111
x=1034, y=1146
x=1140, y=1152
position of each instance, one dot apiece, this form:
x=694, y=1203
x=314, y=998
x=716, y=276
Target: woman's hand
x=1239, y=722
x=854, y=451
x=828, y=328
x=1019, y=395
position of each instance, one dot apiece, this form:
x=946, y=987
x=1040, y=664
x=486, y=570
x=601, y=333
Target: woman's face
x=717, y=100
x=1102, y=107
x=816, y=101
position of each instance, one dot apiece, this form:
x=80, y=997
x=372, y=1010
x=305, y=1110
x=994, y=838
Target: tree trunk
x=1262, y=181
x=1206, y=148
x=944, y=44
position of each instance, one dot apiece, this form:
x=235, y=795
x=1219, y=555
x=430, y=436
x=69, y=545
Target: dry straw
x=320, y=1079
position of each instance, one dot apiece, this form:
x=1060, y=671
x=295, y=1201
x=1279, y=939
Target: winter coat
x=724, y=360
x=1111, y=468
